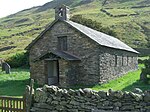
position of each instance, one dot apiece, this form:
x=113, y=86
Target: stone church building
x=67, y=53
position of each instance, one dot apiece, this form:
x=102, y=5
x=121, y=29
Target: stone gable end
x=77, y=44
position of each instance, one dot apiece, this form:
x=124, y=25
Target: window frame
x=122, y=60
x=116, y=60
x=62, y=43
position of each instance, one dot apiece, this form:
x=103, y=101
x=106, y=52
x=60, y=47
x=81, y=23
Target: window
x=127, y=60
x=62, y=43
x=132, y=59
x=116, y=60
x=122, y=60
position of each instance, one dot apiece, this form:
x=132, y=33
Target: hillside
x=128, y=18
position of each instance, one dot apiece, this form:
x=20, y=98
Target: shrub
x=148, y=42
x=146, y=71
x=140, y=61
x=18, y=60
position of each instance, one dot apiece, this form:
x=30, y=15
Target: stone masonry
x=54, y=99
x=98, y=64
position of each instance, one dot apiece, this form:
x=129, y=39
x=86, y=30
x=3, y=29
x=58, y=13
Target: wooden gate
x=10, y=104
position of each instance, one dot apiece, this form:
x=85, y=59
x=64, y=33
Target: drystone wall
x=54, y=99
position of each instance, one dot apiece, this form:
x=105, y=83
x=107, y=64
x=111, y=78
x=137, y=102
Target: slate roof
x=58, y=54
x=99, y=37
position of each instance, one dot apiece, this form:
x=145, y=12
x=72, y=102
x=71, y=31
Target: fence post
x=29, y=95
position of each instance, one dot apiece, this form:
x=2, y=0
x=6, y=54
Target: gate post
x=29, y=95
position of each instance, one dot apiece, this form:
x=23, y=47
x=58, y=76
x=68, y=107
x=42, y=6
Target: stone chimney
x=62, y=13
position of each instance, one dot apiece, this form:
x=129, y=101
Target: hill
x=128, y=18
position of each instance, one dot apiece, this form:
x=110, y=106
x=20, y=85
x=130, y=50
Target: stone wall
x=115, y=63
x=54, y=99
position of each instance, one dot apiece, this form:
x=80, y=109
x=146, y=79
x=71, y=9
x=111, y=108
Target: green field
x=116, y=12
x=14, y=84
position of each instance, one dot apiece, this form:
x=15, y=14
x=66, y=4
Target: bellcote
x=62, y=13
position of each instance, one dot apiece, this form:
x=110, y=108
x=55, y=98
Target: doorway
x=53, y=73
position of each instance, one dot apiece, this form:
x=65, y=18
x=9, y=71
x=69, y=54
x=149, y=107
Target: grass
x=14, y=84
x=126, y=83
x=116, y=12
x=144, y=58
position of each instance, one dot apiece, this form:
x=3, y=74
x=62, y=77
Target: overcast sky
x=8, y=7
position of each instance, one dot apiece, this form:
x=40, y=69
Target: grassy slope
x=126, y=27
x=14, y=84
x=20, y=29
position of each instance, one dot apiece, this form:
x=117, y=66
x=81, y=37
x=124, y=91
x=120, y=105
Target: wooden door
x=53, y=77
